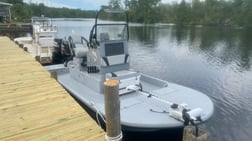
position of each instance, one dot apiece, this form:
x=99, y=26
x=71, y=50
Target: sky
x=80, y=4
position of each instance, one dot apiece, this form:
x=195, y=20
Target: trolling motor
x=183, y=113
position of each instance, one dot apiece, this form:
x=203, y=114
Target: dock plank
x=33, y=106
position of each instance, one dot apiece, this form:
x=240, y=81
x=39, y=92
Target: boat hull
x=139, y=112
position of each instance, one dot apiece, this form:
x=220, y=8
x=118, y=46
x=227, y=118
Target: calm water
x=215, y=61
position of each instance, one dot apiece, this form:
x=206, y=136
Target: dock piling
x=190, y=134
x=112, y=111
x=53, y=75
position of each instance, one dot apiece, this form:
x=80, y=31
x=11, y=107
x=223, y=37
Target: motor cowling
x=183, y=113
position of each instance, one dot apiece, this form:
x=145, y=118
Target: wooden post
x=53, y=75
x=190, y=134
x=21, y=45
x=112, y=111
x=9, y=14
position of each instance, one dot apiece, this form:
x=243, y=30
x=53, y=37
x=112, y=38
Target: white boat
x=41, y=45
x=21, y=41
x=44, y=34
x=146, y=103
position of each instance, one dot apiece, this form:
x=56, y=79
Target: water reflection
x=146, y=34
x=222, y=45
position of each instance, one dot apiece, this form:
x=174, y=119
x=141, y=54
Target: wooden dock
x=33, y=106
x=16, y=27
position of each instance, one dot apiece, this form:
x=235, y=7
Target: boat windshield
x=110, y=25
x=111, y=32
x=41, y=21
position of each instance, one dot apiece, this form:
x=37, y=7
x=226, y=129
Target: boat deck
x=33, y=106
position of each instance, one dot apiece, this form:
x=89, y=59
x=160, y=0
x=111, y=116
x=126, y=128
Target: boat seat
x=115, y=57
x=80, y=52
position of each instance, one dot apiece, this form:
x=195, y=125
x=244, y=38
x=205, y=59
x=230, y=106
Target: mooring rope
x=116, y=138
x=97, y=114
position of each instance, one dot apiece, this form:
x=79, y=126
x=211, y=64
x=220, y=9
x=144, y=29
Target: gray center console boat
x=146, y=103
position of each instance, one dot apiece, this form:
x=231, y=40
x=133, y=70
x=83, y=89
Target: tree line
x=22, y=12
x=196, y=12
x=209, y=12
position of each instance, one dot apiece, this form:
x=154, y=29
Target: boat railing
x=117, y=30
x=48, y=28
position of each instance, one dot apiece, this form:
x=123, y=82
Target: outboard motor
x=57, y=55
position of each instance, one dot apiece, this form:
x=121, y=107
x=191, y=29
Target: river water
x=214, y=60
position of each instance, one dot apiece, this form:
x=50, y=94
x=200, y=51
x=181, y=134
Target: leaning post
x=112, y=111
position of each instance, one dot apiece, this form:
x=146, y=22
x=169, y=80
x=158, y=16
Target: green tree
x=208, y=12
x=145, y=11
x=115, y=4
x=38, y=10
x=182, y=11
x=197, y=12
x=212, y=12
x=41, y=9
x=246, y=13
x=13, y=1
x=166, y=13
x=21, y=12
